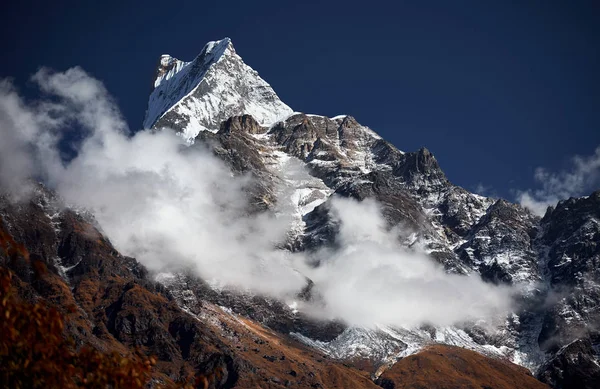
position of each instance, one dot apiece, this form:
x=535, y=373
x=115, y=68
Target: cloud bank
x=174, y=207
x=583, y=175
x=372, y=279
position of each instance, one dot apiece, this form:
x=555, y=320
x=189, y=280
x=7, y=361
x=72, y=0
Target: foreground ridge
x=110, y=303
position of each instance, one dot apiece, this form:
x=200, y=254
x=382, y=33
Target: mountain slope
x=58, y=257
x=467, y=233
x=453, y=367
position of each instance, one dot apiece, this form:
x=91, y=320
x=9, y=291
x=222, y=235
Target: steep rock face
x=572, y=235
x=573, y=366
x=500, y=245
x=334, y=149
x=571, y=248
x=420, y=169
x=398, y=205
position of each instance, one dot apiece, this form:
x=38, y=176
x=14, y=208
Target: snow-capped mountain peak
x=169, y=66
x=198, y=95
x=300, y=160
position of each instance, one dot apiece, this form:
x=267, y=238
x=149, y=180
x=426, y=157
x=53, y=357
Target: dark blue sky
x=492, y=88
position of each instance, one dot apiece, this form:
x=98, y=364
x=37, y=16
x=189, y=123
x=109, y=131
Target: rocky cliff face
x=552, y=259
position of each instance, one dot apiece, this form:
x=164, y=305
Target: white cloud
x=485, y=190
x=481, y=189
x=25, y=149
x=372, y=279
x=174, y=207
x=584, y=175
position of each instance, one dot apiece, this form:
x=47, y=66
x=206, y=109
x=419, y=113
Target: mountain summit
x=501, y=242
x=198, y=95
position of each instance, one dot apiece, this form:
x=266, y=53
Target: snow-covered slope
x=198, y=95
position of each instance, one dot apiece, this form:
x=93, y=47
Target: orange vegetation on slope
x=274, y=360
x=8, y=245
x=35, y=354
x=449, y=367
x=109, y=307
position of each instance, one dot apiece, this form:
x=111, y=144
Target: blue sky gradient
x=493, y=89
